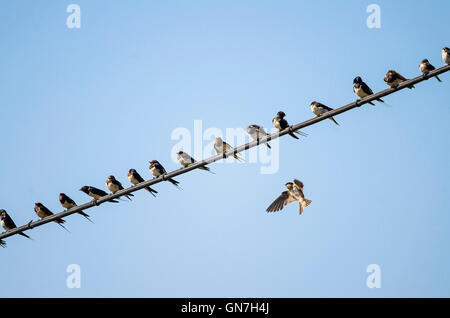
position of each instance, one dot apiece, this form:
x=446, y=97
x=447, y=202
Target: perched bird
x=222, y=147
x=425, y=67
x=2, y=243
x=158, y=170
x=114, y=185
x=186, y=160
x=257, y=132
x=294, y=193
x=95, y=193
x=393, y=78
x=135, y=178
x=281, y=124
x=362, y=90
x=42, y=211
x=8, y=223
x=446, y=55
x=319, y=109
x=68, y=203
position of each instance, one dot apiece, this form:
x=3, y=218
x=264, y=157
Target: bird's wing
x=367, y=89
x=400, y=76
x=98, y=192
x=138, y=177
x=299, y=183
x=9, y=221
x=324, y=107
x=280, y=202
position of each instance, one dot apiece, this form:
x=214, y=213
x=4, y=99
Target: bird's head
x=180, y=153
x=219, y=140
x=251, y=129
x=289, y=185
x=61, y=196
x=425, y=61
x=357, y=80
x=389, y=76
x=281, y=114
x=446, y=49
x=131, y=171
x=111, y=178
x=85, y=189
x=153, y=163
x=2, y=214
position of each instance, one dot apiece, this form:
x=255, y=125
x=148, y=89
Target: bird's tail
x=60, y=224
x=303, y=204
x=268, y=146
x=292, y=135
x=206, y=169
x=333, y=120
x=24, y=235
x=438, y=78
x=411, y=87
x=174, y=182
x=152, y=192
x=129, y=195
x=2, y=243
x=371, y=103
x=301, y=133
x=86, y=216
x=237, y=157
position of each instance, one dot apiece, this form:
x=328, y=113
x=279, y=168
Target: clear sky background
x=77, y=105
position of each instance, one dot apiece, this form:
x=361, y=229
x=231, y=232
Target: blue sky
x=78, y=105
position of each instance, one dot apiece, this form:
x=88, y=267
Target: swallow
x=186, y=160
x=135, y=178
x=257, y=132
x=222, y=147
x=319, y=109
x=8, y=223
x=294, y=193
x=393, y=78
x=95, y=193
x=68, y=203
x=158, y=170
x=362, y=90
x=425, y=67
x=114, y=185
x=446, y=55
x=42, y=211
x=280, y=123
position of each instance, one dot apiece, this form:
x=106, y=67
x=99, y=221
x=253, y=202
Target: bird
x=222, y=147
x=135, y=178
x=95, y=193
x=446, y=55
x=393, y=79
x=158, y=170
x=293, y=193
x=281, y=124
x=257, y=132
x=68, y=203
x=362, y=90
x=425, y=67
x=42, y=211
x=186, y=160
x=114, y=185
x=8, y=223
x=319, y=109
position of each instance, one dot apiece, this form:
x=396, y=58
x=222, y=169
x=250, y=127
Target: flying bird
x=8, y=223
x=222, y=147
x=186, y=160
x=294, y=193
x=446, y=55
x=68, y=203
x=95, y=193
x=393, y=79
x=425, y=67
x=257, y=132
x=362, y=90
x=319, y=109
x=158, y=170
x=281, y=124
x=42, y=211
x=135, y=178
x=114, y=185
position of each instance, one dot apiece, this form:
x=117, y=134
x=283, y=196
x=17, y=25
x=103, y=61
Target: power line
x=218, y=157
